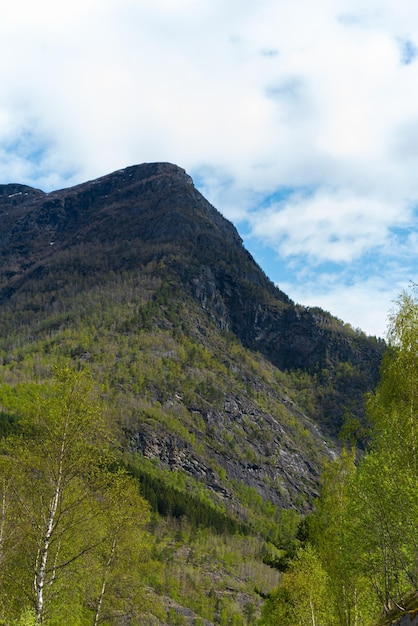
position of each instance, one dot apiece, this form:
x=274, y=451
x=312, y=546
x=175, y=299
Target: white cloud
x=324, y=227
x=363, y=305
x=255, y=100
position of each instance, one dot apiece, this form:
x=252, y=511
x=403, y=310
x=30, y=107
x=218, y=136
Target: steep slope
x=139, y=275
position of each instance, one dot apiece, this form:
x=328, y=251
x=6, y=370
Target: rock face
x=408, y=616
x=272, y=464
x=151, y=220
x=409, y=619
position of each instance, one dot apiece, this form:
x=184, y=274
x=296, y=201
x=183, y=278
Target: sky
x=298, y=120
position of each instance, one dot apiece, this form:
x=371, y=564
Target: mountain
x=141, y=253
x=224, y=395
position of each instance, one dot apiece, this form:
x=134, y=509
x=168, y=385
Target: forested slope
x=218, y=399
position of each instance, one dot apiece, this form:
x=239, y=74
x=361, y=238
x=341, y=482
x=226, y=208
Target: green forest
x=359, y=563
x=92, y=533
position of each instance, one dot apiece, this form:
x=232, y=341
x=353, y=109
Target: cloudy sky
x=298, y=120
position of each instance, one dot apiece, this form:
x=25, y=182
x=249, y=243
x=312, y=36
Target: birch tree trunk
x=3, y=516
x=70, y=510
x=41, y=574
x=104, y=582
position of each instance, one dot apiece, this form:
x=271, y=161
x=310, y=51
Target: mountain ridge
x=144, y=241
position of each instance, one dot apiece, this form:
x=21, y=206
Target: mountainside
x=224, y=396
x=140, y=253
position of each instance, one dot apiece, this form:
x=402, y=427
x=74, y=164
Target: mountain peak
x=152, y=202
x=133, y=174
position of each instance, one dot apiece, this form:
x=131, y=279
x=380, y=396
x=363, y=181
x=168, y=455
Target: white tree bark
x=41, y=574
x=3, y=517
x=104, y=583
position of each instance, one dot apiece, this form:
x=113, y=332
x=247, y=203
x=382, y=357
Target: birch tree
x=307, y=583
x=386, y=486
x=122, y=557
x=57, y=480
x=335, y=535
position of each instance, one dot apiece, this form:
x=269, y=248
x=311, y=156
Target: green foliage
x=278, y=526
x=211, y=574
x=385, y=514
x=27, y=618
x=8, y=423
x=64, y=525
x=170, y=494
x=161, y=364
x=363, y=547
x=303, y=597
x=387, y=485
x=278, y=608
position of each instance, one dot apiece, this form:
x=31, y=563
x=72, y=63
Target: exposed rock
x=271, y=463
x=409, y=619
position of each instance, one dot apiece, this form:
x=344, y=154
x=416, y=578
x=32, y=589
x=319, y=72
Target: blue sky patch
x=408, y=52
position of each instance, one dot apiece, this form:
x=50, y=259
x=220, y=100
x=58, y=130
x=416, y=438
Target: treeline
x=359, y=563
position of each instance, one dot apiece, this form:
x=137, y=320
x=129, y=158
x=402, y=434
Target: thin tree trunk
x=3, y=518
x=312, y=613
x=104, y=583
x=40, y=576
